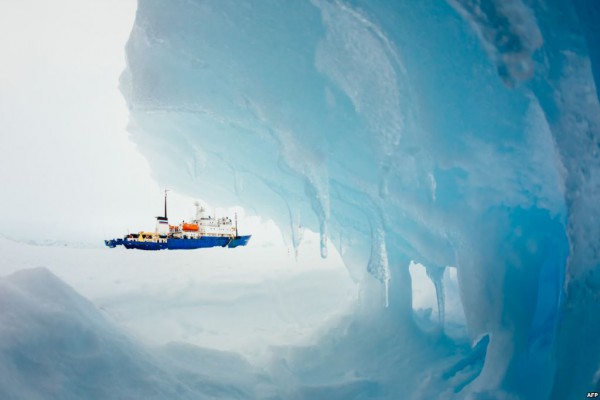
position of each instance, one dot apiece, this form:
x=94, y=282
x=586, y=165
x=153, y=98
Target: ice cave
x=446, y=151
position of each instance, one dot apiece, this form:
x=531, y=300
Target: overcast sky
x=68, y=169
x=66, y=158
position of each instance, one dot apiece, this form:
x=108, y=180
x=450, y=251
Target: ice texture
x=55, y=344
x=462, y=133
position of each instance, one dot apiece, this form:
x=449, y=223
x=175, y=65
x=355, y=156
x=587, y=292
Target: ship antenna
x=166, y=190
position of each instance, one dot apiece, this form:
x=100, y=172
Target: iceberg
x=458, y=135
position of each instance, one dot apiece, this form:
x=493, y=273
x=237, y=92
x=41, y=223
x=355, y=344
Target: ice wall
x=462, y=133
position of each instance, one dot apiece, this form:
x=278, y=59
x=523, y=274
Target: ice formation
x=461, y=134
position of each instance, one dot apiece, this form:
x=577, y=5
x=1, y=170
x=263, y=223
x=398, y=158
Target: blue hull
x=181, y=244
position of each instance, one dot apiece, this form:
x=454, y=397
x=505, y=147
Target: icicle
x=323, y=232
x=319, y=196
x=297, y=231
x=378, y=263
x=297, y=234
x=441, y=301
x=436, y=274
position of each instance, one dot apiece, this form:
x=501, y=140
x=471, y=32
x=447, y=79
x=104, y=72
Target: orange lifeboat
x=190, y=227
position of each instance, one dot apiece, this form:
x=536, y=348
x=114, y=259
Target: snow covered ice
x=447, y=151
x=160, y=325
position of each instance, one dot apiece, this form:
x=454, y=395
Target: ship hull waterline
x=181, y=244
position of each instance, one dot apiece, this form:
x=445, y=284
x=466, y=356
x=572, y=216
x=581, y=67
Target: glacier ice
x=462, y=133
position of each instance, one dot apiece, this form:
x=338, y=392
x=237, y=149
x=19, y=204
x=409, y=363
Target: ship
x=201, y=232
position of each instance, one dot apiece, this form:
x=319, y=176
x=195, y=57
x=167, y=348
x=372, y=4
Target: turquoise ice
x=461, y=134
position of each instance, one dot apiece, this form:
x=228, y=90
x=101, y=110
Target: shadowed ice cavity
x=462, y=133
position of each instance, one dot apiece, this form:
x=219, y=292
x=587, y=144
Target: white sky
x=68, y=170
x=66, y=160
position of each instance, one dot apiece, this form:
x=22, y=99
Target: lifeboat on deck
x=190, y=227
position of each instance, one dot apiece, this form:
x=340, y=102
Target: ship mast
x=162, y=223
x=166, y=190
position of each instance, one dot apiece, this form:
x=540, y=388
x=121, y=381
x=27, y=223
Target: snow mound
x=56, y=344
